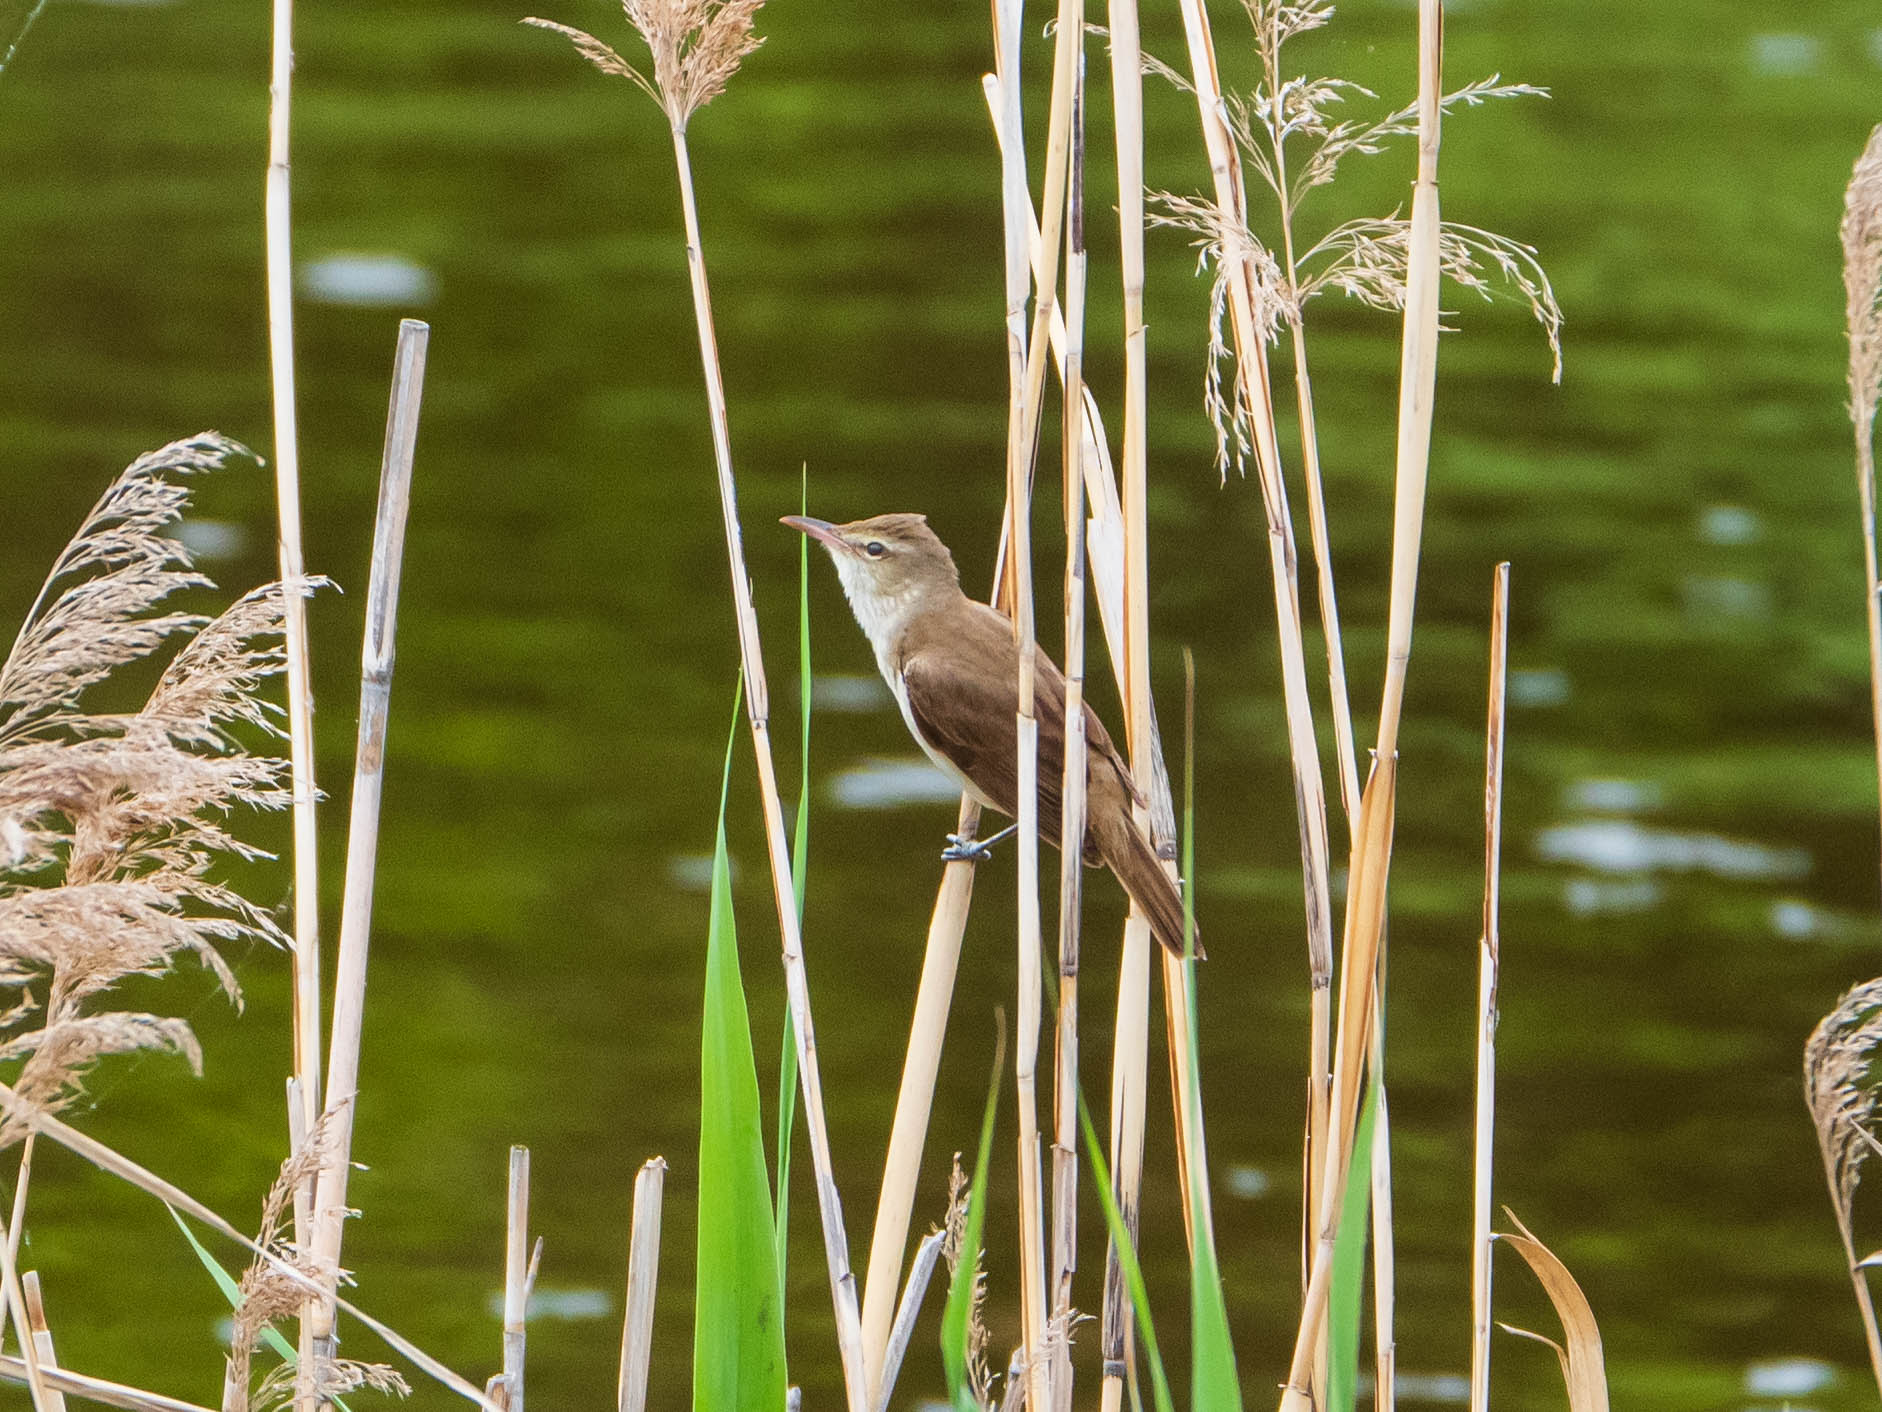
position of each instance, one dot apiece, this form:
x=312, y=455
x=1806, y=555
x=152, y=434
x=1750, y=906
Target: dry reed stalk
x=1843, y=1099
x=1417, y=378
x=1253, y=309
x=895, y=1203
x=1130, y=1032
x=757, y=711
x=375, y=694
x=98, y=1390
x=697, y=45
x=278, y=233
x=516, y=1271
x=1028, y=356
x=920, y=1271
x=1384, y=1252
x=1360, y=954
x=42, y=1337
x=1072, y=790
x=1418, y=369
x=1488, y=970
x=643, y=1273
x=1861, y=233
x=114, y=1163
x=16, y=1301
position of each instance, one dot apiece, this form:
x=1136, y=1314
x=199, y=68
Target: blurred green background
x=1690, y=858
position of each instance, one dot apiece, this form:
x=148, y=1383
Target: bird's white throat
x=880, y=615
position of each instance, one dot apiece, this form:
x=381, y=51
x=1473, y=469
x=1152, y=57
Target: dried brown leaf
x=1583, y=1369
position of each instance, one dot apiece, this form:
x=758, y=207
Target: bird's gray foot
x=972, y=850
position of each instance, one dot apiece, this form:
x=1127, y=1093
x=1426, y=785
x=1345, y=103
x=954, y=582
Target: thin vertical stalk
x=1488, y=976
x=516, y=1277
x=1384, y=1250
x=920, y=1273
x=362, y=844
x=1257, y=391
x=1372, y=859
x=287, y=477
x=16, y=1302
x=777, y=838
x=1072, y=790
x=16, y=1226
x=278, y=239
x=643, y=1273
x=1130, y=1043
x=1418, y=367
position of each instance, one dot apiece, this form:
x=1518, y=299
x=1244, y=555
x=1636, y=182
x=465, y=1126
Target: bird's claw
x=966, y=849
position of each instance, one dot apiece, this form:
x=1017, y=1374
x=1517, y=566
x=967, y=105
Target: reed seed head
x=697, y=45
x=1862, y=283
x=1842, y=1096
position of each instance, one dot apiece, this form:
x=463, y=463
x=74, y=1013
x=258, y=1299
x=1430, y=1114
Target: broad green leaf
x=738, y=1327
x=1345, y=1299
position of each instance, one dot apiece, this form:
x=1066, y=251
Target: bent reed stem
x=757, y=715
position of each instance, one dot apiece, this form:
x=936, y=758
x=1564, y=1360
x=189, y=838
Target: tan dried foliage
x=1842, y=1096
x=1862, y=284
x=979, y=1375
x=697, y=45
x=110, y=823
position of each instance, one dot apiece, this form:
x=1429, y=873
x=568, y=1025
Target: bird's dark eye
x=875, y=549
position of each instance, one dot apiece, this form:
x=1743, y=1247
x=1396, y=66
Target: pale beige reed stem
x=1489, y=963
x=758, y=715
x=516, y=1278
x=1861, y=232
x=1072, y=787
x=1252, y=361
x=643, y=1272
x=278, y=232
x=16, y=1301
x=278, y=237
x=1130, y=1041
x=98, y=1390
x=375, y=698
x=42, y=1337
x=1417, y=382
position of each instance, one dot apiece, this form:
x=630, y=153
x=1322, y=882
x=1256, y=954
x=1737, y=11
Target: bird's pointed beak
x=821, y=530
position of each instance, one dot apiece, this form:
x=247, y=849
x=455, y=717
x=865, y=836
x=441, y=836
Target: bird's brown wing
x=962, y=679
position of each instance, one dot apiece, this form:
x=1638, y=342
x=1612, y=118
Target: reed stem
x=757, y=714
x=643, y=1273
x=375, y=698
x=516, y=1278
x=1072, y=789
x=1488, y=969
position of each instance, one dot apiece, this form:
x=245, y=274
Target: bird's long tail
x=1127, y=854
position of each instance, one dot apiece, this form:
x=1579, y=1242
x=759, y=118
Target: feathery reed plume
x=696, y=46
x=1862, y=286
x=1365, y=259
x=270, y=1294
x=124, y=810
x=1841, y=1093
x=953, y=1250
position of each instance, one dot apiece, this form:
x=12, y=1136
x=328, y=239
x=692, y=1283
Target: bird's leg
x=971, y=850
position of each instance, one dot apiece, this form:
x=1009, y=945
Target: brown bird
x=954, y=670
